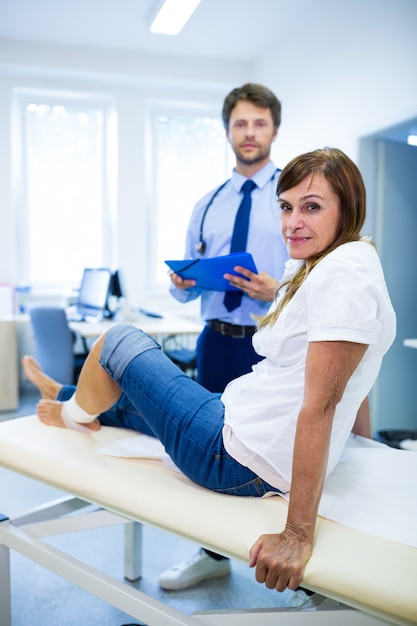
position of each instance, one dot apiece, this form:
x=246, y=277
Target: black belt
x=231, y=330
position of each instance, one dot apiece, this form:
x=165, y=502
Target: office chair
x=184, y=358
x=54, y=344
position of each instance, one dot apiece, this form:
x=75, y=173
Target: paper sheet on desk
x=373, y=488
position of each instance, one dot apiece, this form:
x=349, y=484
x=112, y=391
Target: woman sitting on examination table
x=283, y=426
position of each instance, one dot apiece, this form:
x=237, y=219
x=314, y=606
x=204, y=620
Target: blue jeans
x=159, y=399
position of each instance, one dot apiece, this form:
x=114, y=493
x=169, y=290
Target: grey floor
x=40, y=597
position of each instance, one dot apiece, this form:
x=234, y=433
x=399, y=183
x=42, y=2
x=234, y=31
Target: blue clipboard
x=209, y=272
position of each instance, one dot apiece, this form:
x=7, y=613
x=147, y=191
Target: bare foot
x=48, y=387
x=50, y=413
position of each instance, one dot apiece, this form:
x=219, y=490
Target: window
x=64, y=194
x=190, y=156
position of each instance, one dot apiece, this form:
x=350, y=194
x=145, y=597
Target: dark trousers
x=220, y=359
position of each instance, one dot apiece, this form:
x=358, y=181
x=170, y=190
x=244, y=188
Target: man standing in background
x=251, y=117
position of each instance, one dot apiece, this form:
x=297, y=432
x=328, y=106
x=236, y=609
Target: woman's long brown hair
x=347, y=183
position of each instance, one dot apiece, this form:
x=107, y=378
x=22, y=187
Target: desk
x=410, y=343
x=156, y=327
x=16, y=340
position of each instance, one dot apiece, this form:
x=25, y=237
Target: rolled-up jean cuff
x=121, y=345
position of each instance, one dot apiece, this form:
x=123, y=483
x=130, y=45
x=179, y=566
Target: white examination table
x=376, y=577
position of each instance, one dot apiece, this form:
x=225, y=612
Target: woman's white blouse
x=344, y=298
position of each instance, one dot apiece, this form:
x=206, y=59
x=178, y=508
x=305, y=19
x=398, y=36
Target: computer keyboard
x=75, y=317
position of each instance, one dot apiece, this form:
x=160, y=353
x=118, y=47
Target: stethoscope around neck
x=201, y=245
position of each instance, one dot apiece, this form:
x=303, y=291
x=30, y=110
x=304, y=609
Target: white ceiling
x=229, y=29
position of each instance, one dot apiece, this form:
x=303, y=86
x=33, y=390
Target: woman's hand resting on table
x=280, y=560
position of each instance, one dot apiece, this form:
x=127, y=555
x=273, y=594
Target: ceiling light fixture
x=412, y=140
x=172, y=16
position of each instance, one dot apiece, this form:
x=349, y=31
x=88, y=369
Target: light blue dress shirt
x=265, y=241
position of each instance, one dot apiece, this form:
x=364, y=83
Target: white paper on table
x=139, y=447
x=374, y=489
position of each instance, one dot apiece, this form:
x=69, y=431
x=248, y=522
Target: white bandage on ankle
x=74, y=416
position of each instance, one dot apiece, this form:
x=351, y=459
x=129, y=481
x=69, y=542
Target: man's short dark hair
x=258, y=95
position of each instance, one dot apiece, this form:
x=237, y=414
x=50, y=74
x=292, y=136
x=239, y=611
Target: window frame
x=156, y=107
x=21, y=98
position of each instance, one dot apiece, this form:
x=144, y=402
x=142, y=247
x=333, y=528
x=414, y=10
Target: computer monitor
x=92, y=299
x=116, y=287
x=116, y=291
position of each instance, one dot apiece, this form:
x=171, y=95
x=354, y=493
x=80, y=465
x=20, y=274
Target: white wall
x=347, y=70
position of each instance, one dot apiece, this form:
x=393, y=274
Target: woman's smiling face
x=310, y=216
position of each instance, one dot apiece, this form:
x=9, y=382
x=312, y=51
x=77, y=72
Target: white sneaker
x=199, y=567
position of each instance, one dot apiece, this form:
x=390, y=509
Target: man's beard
x=261, y=156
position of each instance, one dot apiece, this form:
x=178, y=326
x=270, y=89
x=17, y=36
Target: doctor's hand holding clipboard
x=232, y=272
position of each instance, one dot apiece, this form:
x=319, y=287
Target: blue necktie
x=232, y=299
